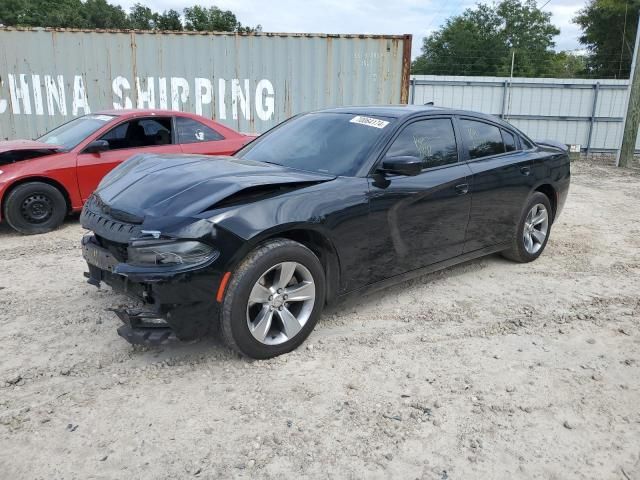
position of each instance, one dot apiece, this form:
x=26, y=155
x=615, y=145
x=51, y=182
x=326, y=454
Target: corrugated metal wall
x=249, y=82
x=573, y=111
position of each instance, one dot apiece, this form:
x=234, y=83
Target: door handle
x=462, y=188
x=525, y=170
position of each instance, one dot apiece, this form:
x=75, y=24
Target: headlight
x=146, y=253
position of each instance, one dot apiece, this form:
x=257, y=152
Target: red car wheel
x=35, y=207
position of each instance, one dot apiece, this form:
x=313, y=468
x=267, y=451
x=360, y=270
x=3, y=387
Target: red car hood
x=13, y=145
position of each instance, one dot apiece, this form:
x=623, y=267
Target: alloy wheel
x=280, y=303
x=536, y=228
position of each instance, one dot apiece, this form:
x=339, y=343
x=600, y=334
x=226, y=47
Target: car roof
x=404, y=111
x=142, y=112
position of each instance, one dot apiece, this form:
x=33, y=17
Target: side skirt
x=419, y=272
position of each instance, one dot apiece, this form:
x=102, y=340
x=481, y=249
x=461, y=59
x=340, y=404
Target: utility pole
x=632, y=117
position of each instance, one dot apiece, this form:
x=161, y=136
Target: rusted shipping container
x=247, y=81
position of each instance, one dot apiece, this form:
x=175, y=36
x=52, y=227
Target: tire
x=522, y=250
x=260, y=326
x=35, y=207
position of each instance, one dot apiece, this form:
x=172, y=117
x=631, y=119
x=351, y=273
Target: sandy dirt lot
x=490, y=369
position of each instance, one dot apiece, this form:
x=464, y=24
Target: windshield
x=335, y=143
x=70, y=134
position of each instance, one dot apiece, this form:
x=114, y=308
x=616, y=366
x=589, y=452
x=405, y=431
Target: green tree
x=213, y=19
x=62, y=14
x=12, y=12
x=44, y=13
x=100, y=14
x=567, y=65
x=467, y=44
x=481, y=39
x=142, y=17
x=608, y=33
x=169, y=20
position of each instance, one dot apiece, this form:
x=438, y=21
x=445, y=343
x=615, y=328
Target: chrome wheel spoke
x=528, y=242
x=259, y=294
x=284, y=275
x=539, y=218
x=538, y=235
x=530, y=215
x=262, y=324
x=302, y=291
x=290, y=323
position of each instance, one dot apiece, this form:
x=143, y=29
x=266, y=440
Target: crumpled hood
x=15, y=145
x=187, y=185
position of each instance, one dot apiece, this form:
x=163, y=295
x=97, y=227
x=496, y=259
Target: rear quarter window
x=510, y=141
x=192, y=131
x=433, y=141
x=526, y=144
x=482, y=139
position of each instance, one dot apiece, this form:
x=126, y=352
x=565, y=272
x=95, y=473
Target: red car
x=43, y=180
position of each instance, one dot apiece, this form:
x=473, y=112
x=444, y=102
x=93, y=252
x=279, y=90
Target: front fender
x=335, y=211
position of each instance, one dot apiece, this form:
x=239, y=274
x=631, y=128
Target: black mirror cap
x=97, y=146
x=404, y=165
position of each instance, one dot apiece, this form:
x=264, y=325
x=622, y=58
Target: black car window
x=482, y=139
x=141, y=132
x=192, y=131
x=119, y=132
x=509, y=139
x=433, y=141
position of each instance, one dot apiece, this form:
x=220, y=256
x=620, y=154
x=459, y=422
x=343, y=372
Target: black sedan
x=325, y=205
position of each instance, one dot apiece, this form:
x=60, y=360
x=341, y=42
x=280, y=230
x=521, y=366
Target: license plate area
x=99, y=257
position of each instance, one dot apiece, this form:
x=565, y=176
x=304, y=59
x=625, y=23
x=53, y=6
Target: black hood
x=187, y=185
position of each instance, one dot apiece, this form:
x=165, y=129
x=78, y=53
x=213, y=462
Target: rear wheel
x=35, y=207
x=532, y=231
x=273, y=300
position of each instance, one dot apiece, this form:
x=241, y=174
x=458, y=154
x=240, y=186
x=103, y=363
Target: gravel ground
x=486, y=370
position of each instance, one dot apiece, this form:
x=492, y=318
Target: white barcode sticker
x=369, y=122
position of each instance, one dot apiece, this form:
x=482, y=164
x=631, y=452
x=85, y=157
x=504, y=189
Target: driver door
x=139, y=135
x=420, y=220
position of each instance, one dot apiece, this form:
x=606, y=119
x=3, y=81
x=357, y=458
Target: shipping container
x=250, y=82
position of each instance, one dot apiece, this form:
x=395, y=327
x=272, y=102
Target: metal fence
x=247, y=81
x=589, y=113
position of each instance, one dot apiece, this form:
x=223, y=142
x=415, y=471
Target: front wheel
x=273, y=300
x=35, y=207
x=532, y=231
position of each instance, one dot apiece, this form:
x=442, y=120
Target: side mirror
x=97, y=146
x=405, y=165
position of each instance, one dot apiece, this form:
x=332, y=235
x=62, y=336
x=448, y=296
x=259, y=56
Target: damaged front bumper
x=179, y=302
x=144, y=327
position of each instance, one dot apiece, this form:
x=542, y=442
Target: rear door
x=196, y=137
x=140, y=135
x=501, y=181
x=420, y=220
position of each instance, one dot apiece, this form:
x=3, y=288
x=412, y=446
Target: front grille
x=118, y=250
x=104, y=225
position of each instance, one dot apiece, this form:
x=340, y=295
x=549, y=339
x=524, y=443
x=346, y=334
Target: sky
x=418, y=17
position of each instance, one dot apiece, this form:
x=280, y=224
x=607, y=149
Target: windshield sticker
x=369, y=122
x=102, y=118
